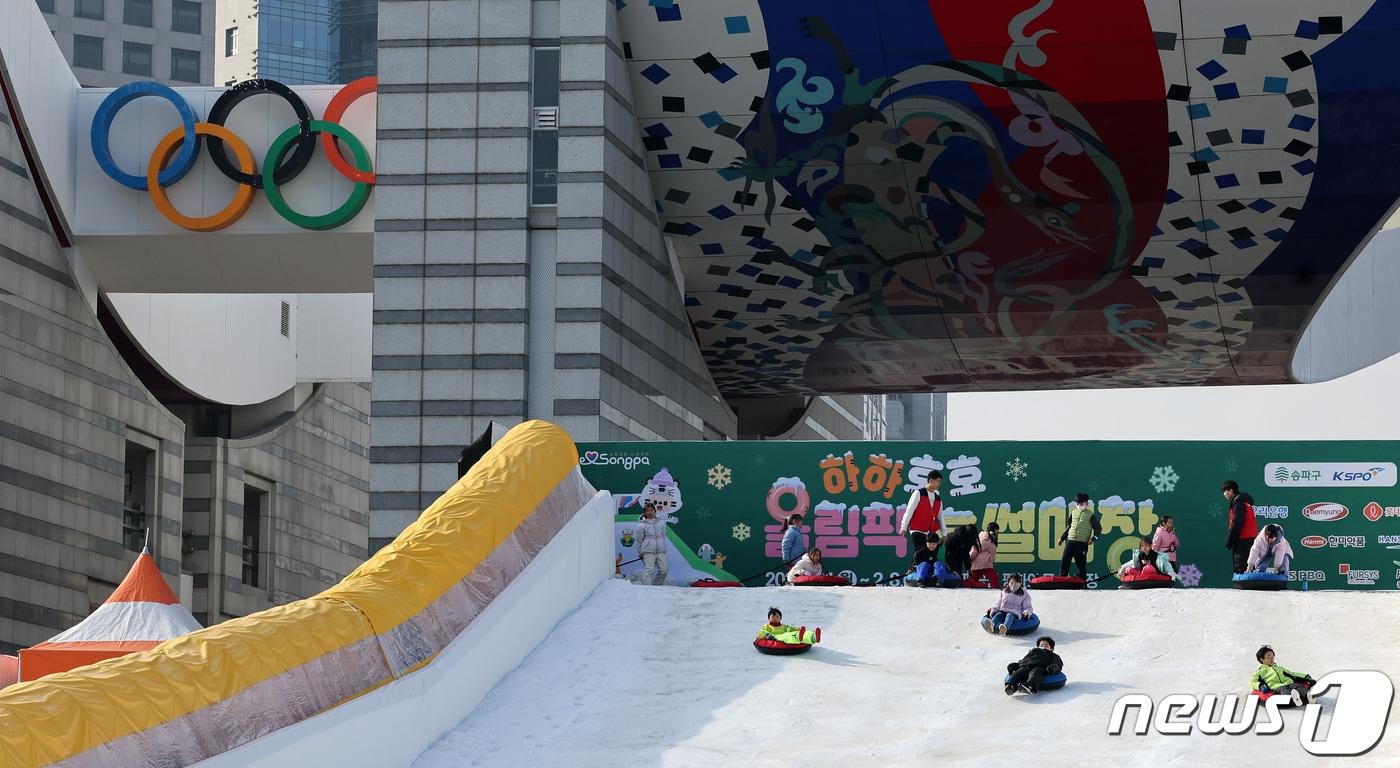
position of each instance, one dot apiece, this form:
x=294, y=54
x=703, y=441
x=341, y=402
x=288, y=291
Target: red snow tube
x=1155, y=581
x=821, y=581
x=1057, y=582
x=713, y=583
x=775, y=648
x=1283, y=701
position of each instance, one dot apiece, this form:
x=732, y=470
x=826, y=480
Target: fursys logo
x=1325, y=512
x=1272, y=513
x=1359, y=576
x=1304, y=474
x=1359, y=716
x=627, y=460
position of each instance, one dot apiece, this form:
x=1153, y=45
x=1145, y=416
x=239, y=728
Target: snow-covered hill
x=657, y=676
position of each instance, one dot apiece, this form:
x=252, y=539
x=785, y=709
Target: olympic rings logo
x=175, y=154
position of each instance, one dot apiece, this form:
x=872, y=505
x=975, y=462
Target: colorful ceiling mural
x=901, y=196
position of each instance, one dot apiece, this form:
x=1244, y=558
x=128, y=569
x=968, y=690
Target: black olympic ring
x=305, y=144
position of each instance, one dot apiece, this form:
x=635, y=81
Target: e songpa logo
x=628, y=461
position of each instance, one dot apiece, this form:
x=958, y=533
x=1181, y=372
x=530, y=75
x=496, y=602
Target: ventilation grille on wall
x=286, y=319
x=546, y=118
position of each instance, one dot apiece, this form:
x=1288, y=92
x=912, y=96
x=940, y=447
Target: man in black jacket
x=959, y=544
x=1027, y=673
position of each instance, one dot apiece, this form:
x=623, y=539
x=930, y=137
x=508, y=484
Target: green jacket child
x=1276, y=679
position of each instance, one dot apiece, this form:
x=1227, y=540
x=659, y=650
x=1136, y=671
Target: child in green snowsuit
x=775, y=629
x=1273, y=678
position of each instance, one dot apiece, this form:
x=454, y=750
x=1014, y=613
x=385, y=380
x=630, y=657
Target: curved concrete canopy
x=905, y=196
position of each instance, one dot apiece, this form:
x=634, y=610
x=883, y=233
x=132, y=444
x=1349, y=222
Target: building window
x=87, y=52
x=254, y=511
x=137, y=13
x=46, y=6
x=184, y=65
x=231, y=41
x=89, y=9
x=185, y=16
x=136, y=59
x=135, y=496
x=544, y=134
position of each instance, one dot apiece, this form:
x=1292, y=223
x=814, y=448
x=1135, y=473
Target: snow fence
x=209, y=692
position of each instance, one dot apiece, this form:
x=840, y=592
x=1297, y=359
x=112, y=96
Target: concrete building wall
x=115, y=31
x=89, y=459
x=487, y=307
x=241, y=62
x=311, y=519
x=69, y=408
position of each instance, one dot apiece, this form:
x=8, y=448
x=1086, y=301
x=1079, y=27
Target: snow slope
x=658, y=676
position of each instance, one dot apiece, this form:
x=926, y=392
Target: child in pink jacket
x=984, y=557
x=1014, y=604
x=1164, y=540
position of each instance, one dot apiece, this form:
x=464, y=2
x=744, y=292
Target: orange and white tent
x=140, y=614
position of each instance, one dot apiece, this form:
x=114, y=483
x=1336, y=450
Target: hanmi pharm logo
x=627, y=460
x=1359, y=716
x=1374, y=511
x=1325, y=512
x=1377, y=474
x=1342, y=542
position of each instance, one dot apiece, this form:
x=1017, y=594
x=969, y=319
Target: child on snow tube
x=809, y=564
x=1271, y=551
x=1274, y=680
x=1040, y=663
x=776, y=630
x=1146, y=562
x=1013, y=604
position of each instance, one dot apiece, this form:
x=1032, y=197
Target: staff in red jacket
x=923, y=516
x=1243, y=526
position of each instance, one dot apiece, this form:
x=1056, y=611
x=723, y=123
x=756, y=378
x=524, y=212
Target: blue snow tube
x=1260, y=580
x=1050, y=683
x=1023, y=626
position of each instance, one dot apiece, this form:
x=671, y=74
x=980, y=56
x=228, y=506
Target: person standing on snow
x=1243, y=526
x=1080, y=532
x=652, y=546
x=1164, y=540
x=794, y=543
x=923, y=516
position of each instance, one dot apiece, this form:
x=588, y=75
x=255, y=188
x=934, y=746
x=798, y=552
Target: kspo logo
x=291, y=151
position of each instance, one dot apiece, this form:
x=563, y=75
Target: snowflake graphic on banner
x=720, y=476
x=1093, y=486
x=703, y=513
x=741, y=532
x=1232, y=467
x=1163, y=479
x=1190, y=575
x=1017, y=469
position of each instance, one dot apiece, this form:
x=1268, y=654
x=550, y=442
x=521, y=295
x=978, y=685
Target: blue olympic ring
x=102, y=127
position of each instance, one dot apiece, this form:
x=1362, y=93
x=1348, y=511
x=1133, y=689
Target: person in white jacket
x=652, y=546
x=809, y=564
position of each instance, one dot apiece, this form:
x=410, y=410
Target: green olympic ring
x=347, y=210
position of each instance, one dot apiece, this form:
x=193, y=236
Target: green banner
x=724, y=503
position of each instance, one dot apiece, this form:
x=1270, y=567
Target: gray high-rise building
x=297, y=43
x=110, y=42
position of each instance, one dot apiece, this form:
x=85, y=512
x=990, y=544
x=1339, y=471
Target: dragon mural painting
x=1027, y=193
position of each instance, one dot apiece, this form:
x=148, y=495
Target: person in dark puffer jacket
x=1040, y=662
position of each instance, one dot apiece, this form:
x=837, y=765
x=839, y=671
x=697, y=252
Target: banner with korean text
x=724, y=502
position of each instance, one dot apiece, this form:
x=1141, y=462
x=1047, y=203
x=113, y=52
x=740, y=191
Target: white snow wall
x=390, y=726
